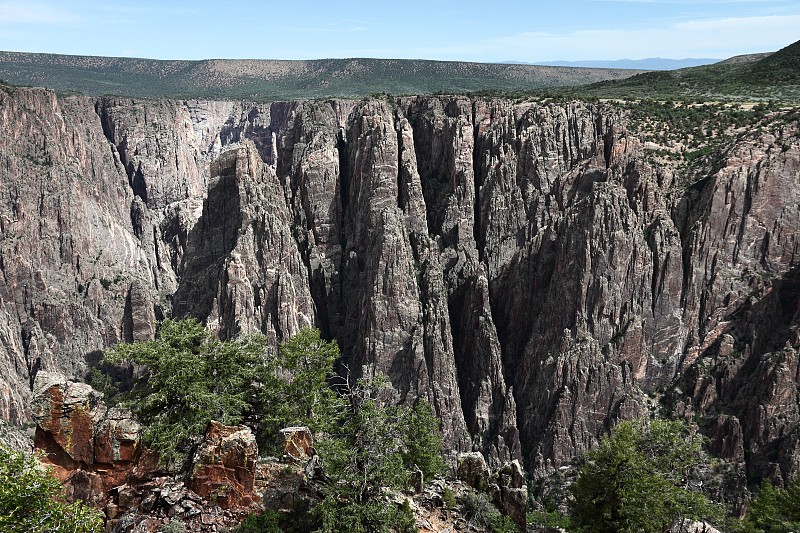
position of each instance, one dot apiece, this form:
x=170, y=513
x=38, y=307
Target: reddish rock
x=117, y=437
x=96, y=453
x=90, y=449
x=67, y=412
x=298, y=445
x=224, y=466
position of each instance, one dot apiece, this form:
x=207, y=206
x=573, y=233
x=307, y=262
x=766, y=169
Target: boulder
x=298, y=445
x=692, y=526
x=506, y=487
x=67, y=411
x=512, y=492
x=473, y=470
x=90, y=449
x=224, y=466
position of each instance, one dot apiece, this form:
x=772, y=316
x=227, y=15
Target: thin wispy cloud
x=341, y=26
x=164, y=10
x=34, y=13
x=777, y=22
x=700, y=38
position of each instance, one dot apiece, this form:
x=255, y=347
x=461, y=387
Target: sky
x=465, y=30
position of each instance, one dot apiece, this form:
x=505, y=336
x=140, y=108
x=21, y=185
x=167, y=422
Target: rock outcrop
x=224, y=466
x=525, y=267
x=298, y=444
x=91, y=448
x=96, y=453
x=505, y=486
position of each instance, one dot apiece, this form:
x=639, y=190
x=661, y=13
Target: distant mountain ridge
x=651, y=63
x=259, y=80
x=772, y=76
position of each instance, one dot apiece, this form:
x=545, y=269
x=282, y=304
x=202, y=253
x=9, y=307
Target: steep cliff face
x=527, y=268
x=68, y=256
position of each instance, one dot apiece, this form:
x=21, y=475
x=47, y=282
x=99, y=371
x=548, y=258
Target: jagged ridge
x=525, y=267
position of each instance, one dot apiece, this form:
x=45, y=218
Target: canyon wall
x=528, y=268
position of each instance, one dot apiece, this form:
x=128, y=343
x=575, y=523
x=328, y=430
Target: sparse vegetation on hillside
x=687, y=135
x=264, y=80
x=775, y=77
x=757, y=78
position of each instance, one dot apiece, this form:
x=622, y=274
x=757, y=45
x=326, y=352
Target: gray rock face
x=524, y=267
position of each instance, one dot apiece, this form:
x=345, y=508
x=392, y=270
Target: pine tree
x=636, y=479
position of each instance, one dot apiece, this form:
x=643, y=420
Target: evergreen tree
x=299, y=394
x=364, y=457
x=191, y=378
x=423, y=440
x=774, y=510
x=636, y=480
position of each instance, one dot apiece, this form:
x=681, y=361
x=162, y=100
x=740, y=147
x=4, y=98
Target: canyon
x=527, y=267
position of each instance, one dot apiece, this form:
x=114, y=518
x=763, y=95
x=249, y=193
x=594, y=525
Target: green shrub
x=423, y=441
x=30, y=500
x=449, y=498
x=481, y=513
x=372, y=516
x=301, y=519
x=774, y=510
x=267, y=522
x=175, y=525
x=549, y=519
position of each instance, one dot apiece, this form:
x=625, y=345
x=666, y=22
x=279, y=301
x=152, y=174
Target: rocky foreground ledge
x=97, y=454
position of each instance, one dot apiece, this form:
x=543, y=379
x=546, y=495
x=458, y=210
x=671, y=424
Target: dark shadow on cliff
x=210, y=243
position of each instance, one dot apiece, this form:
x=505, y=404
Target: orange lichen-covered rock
x=67, y=411
x=298, y=446
x=224, y=466
x=91, y=449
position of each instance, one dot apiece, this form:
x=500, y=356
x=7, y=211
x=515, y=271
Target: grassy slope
x=267, y=79
x=774, y=77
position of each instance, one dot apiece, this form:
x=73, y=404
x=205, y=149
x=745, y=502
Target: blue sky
x=489, y=30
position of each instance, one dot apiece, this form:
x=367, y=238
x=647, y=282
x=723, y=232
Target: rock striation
x=525, y=267
x=224, y=466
